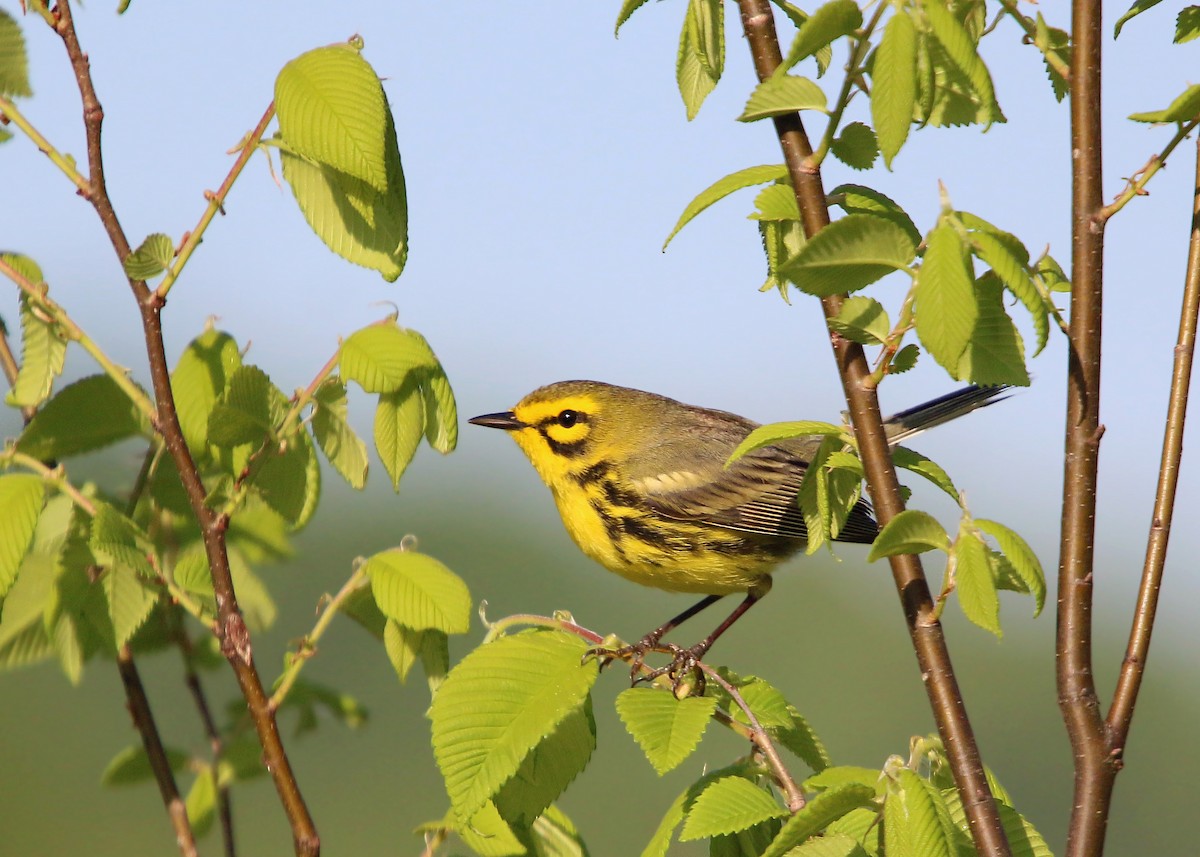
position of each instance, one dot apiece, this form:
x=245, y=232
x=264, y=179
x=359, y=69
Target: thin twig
x=854, y=70
x=929, y=644
x=1135, y=186
x=64, y=163
x=1023, y=21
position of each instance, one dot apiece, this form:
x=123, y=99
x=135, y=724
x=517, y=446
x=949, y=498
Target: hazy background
x=545, y=163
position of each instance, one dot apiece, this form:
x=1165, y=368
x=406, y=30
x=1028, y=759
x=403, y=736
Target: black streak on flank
x=593, y=473
x=619, y=496
x=612, y=525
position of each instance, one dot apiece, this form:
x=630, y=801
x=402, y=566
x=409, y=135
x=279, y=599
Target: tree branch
x=928, y=641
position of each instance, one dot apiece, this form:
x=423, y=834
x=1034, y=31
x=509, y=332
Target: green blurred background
x=545, y=163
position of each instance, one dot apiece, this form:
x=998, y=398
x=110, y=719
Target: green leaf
x=660, y=842
x=331, y=427
x=549, y=768
x=332, y=111
x=201, y=801
x=726, y=806
x=975, y=583
x=554, y=835
x=1187, y=24
x=701, y=55
x=667, y=729
x=894, y=85
x=441, y=411
x=130, y=600
x=962, y=51
x=723, y=187
x=856, y=146
x=776, y=202
x=912, y=531
x=905, y=359
x=290, y=479
x=995, y=354
x=628, y=7
x=399, y=426
x=829, y=845
x=419, y=592
x=1133, y=11
x=151, y=258
x=435, y=659
x=1052, y=41
x=830, y=21
x=1183, y=109
x=859, y=199
x=132, y=765
x=43, y=349
x=56, y=431
x=1021, y=557
x=360, y=606
x=403, y=647
x=781, y=241
x=841, y=775
x=850, y=254
x=121, y=548
x=21, y=499
x=499, y=703
x=862, y=320
x=243, y=413
x=803, y=741
x=1007, y=257
x=769, y=706
x=773, y=433
x=912, y=823
x=14, y=64
x=487, y=834
x=779, y=96
x=1023, y=838
x=380, y=358
x=199, y=380
x=818, y=813
x=915, y=462
x=946, y=307
x=310, y=700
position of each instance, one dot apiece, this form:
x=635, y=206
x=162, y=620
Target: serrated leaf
x=974, y=581
x=1184, y=108
x=769, y=706
x=441, y=411
x=962, y=51
x=56, y=431
x=419, y=592
x=726, y=806
x=1021, y=557
x=290, y=480
x=912, y=531
x=723, y=187
x=499, y=703
x=946, y=307
x=1052, y=41
x=820, y=811
x=915, y=462
x=859, y=199
x=1187, y=24
x=1023, y=838
x=243, y=413
x=776, y=202
x=828, y=22
x=403, y=647
x=781, y=241
x=21, y=499
x=14, y=64
x=486, y=833
x=201, y=801
x=829, y=845
x=1009, y=259
x=1133, y=11
x=549, y=768
x=779, y=96
x=131, y=765
x=199, y=379
x=701, y=53
x=996, y=352
x=905, y=359
x=667, y=729
x=380, y=358
x=554, y=835
x=151, y=258
x=849, y=254
x=912, y=824
x=332, y=111
x=803, y=741
x=773, y=433
x=331, y=428
x=894, y=85
x=841, y=775
x=628, y=7
x=862, y=320
x=399, y=426
x=435, y=659
x=130, y=600
x=856, y=146
x=43, y=351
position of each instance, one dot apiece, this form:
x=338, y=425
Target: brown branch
x=231, y=627
x=1095, y=769
x=143, y=720
x=928, y=641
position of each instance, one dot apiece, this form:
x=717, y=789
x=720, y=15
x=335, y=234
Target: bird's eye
x=568, y=418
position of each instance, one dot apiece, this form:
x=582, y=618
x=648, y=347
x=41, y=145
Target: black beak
x=506, y=420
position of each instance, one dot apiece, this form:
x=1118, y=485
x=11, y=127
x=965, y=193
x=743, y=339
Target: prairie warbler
x=642, y=487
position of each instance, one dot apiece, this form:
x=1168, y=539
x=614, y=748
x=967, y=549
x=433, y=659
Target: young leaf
x=403, y=647
x=1022, y=836
x=726, y=806
x=202, y=801
x=894, y=85
x=486, y=833
x=399, y=425
x=850, y=254
x=499, y=703
x=859, y=199
x=380, y=357
x=14, y=64
x=723, y=187
x=781, y=241
x=554, y=835
x=946, y=307
x=21, y=500
x=803, y=742
x=842, y=775
x=830, y=845
x=779, y=96
x=441, y=411
x=974, y=581
x=130, y=600
x=862, y=320
x=773, y=433
x=769, y=706
x=1009, y=260
x=701, y=56
x=549, y=768
x=57, y=432
x=1021, y=557
x=912, y=531
x=917, y=463
x=856, y=146
x=419, y=592
x=1052, y=41
x=776, y=202
x=131, y=765
x=831, y=21
x=1184, y=108
x=962, y=50
x=151, y=258
x=995, y=353
x=905, y=359
x=628, y=7
x=43, y=352
x=243, y=412
x=199, y=380
x=819, y=813
x=913, y=819
x=344, y=449
x=1133, y=11
x=1187, y=24
x=290, y=480
x=667, y=729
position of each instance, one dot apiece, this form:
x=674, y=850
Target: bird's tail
x=951, y=406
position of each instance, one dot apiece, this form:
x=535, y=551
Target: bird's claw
x=683, y=670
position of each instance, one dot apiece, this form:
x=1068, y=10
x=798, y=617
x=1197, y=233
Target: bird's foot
x=684, y=669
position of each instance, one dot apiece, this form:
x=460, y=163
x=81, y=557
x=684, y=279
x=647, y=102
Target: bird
x=644, y=486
